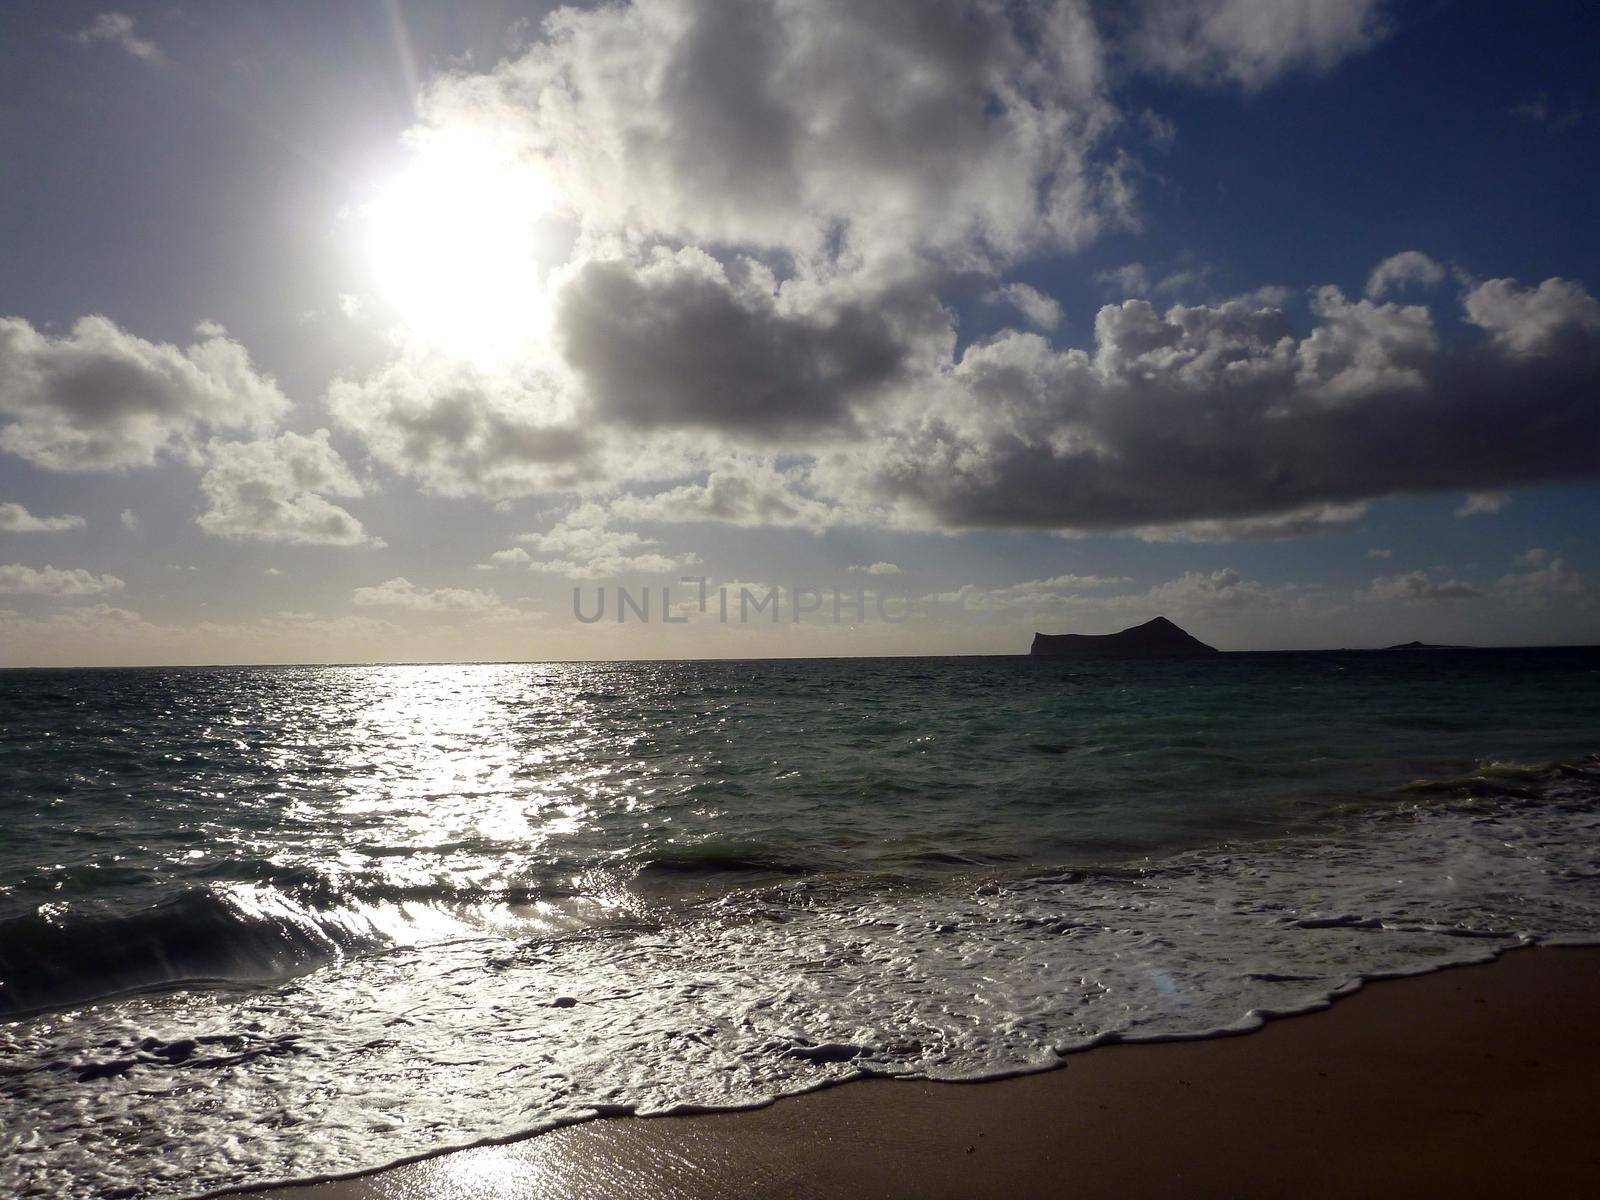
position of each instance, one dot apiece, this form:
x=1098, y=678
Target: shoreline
x=1477, y=1078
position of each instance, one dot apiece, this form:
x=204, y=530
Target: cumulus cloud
x=739, y=494
x=516, y=556
x=117, y=29
x=100, y=398
x=1557, y=317
x=676, y=344
x=877, y=568
x=131, y=520
x=1402, y=270
x=401, y=593
x=1478, y=503
x=19, y=580
x=272, y=490
x=1249, y=42
x=461, y=430
x=816, y=127
x=586, y=547
x=1549, y=580
x=766, y=202
x=1040, y=311
x=1302, y=522
x=1032, y=593
x=1224, y=412
x=1417, y=587
x=14, y=518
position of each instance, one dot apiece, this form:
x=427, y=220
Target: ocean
x=285, y=923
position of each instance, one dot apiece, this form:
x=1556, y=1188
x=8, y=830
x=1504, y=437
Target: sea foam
x=410, y=1048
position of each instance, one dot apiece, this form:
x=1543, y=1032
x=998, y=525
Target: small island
x=1159, y=638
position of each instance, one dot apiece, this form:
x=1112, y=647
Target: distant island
x=1159, y=638
x=1425, y=646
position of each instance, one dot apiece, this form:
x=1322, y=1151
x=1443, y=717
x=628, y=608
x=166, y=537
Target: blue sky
x=407, y=323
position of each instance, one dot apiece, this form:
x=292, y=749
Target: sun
x=453, y=242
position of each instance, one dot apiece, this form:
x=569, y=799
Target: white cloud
x=1402, y=270
x=514, y=557
x=877, y=568
x=101, y=399
x=18, y=580
x=587, y=548
x=1249, y=42
x=1557, y=316
x=1416, y=587
x=1226, y=413
x=742, y=493
x=1040, y=310
x=462, y=431
x=1380, y=552
x=1549, y=580
x=271, y=491
x=130, y=520
x=1478, y=503
x=403, y=594
x=1302, y=522
x=14, y=518
x=117, y=29
x=770, y=125
x=760, y=235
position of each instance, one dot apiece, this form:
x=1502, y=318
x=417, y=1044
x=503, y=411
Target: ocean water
x=285, y=923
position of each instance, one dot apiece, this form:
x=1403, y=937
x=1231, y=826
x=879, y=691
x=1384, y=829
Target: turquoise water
x=418, y=906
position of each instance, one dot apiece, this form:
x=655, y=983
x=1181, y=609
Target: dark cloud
x=100, y=398
x=1224, y=413
x=674, y=345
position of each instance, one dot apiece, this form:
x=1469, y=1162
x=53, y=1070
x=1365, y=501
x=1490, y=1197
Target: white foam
x=430, y=1046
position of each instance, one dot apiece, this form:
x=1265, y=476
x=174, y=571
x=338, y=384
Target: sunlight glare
x=454, y=245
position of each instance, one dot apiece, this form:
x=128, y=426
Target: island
x=1159, y=638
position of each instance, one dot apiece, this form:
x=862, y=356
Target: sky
x=365, y=330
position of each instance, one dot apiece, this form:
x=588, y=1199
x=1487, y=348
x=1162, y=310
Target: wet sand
x=1475, y=1081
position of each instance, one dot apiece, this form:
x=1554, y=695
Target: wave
x=61, y=955
x=723, y=1007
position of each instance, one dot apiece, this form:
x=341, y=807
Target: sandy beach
x=1472, y=1081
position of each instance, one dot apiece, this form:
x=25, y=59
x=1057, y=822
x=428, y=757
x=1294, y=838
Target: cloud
x=1558, y=317
x=877, y=568
x=587, y=548
x=516, y=556
x=1550, y=580
x=18, y=580
x=130, y=520
x=14, y=518
x=747, y=493
x=1379, y=552
x=1248, y=42
x=401, y=593
x=461, y=430
x=1226, y=412
x=1402, y=270
x=1540, y=111
x=271, y=491
x=766, y=204
x=116, y=29
x=1302, y=522
x=1416, y=587
x=824, y=128
x=1040, y=311
x=103, y=399
x=1478, y=503
x=677, y=344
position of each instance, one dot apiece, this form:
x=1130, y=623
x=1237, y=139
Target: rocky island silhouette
x=1158, y=638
